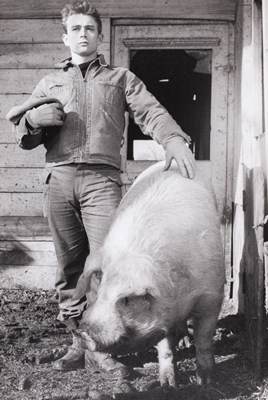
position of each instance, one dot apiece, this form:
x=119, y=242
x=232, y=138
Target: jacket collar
x=67, y=62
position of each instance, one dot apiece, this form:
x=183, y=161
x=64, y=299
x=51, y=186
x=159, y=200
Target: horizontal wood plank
x=9, y=100
x=24, y=81
x=32, y=31
x=36, y=246
x=32, y=55
x=27, y=277
x=21, y=204
x=41, y=55
x=7, y=135
x=24, y=228
x=213, y=9
x=27, y=180
x=30, y=71
x=27, y=253
x=13, y=156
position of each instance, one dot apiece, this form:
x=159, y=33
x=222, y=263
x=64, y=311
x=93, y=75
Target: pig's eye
x=147, y=297
x=126, y=301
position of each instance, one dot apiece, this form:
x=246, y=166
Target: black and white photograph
x=133, y=200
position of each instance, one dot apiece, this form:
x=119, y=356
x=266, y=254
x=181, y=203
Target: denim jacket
x=95, y=114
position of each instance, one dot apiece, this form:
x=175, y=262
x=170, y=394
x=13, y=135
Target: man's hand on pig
x=51, y=114
x=175, y=148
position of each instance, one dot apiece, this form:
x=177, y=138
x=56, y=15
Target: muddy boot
x=74, y=359
x=103, y=361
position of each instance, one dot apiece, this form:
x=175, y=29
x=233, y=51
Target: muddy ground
x=31, y=339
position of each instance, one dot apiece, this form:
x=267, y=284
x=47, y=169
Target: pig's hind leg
x=205, y=322
x=166, y=363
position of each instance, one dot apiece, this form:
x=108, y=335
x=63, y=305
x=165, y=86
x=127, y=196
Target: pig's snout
x=85, y=340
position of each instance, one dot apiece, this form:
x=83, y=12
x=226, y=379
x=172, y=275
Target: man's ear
x=100, y=40
x=65, y=39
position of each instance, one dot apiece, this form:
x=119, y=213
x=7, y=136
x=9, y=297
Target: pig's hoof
x=184, y=343
x=202, y=379
x=168, y=382
x=167, y=378
x=204, y=376
x=74, y=359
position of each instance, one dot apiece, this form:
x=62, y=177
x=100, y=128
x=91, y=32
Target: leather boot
x=74, y=359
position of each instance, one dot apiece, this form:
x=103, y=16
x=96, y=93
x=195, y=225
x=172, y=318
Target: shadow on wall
x=27, y=265
x=14, y=252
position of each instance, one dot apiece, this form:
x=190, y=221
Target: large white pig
x=161, y=264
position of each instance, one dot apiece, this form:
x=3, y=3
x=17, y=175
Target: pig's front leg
x=166, y=363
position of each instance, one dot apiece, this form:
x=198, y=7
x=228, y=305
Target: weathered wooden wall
x=30, y=46
x=249, y=177
x=29, y=49
x=198, y=9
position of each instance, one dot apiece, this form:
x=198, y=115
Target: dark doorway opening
x=181, y=81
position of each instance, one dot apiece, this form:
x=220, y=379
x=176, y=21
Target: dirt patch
x=31, y=339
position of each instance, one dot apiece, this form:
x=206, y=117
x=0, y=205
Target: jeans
x=81, y=200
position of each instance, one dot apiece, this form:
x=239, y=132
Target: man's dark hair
x=80, y=7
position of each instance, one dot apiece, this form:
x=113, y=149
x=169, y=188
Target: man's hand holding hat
x=50, y=114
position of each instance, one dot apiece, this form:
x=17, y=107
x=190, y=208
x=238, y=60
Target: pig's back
x=155, y=186
x=173, y=221
x=163, y=207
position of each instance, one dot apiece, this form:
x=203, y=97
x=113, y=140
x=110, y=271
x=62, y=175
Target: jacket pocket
x=62, y=92
x=115, y=179
x=110, y=93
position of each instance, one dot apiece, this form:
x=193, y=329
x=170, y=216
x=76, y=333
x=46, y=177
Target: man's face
x=82, y=36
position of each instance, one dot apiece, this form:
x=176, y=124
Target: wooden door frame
x=217, y=36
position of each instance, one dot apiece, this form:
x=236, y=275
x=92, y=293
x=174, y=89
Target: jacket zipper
x=82, y=101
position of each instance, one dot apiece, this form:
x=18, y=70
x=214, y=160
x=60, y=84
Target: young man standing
x=77, y=112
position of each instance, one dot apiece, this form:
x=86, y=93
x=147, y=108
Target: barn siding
x=199, y=9
x=29, y=49
x=30, y=46
x=249, y=178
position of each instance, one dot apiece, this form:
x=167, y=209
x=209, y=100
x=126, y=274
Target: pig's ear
x=90, y=279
